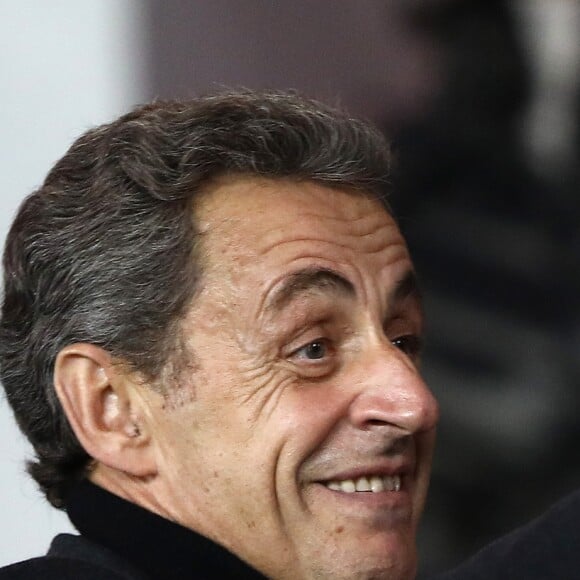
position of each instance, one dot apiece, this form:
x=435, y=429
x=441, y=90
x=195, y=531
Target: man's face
x=303, y=386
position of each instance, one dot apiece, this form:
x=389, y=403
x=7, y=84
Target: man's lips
x=379, y=492
x=388, y=477
x=368, y=484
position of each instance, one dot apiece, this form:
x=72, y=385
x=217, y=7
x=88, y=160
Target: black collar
x=158, y=547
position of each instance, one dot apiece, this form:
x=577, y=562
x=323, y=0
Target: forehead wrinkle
x=313, y=278
x=374, y=239
x=279, y=243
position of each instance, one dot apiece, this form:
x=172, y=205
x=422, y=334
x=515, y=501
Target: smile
x=373, y=484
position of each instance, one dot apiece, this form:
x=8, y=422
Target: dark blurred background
x=481, y=101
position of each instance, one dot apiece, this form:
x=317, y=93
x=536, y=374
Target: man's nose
x=392, y=392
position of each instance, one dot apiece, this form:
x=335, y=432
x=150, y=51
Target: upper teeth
x=373, y=484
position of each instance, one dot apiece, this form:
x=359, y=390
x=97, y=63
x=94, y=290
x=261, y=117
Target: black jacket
x=122, y=541
x=548, y=548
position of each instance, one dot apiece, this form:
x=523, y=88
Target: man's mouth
x=371, y=484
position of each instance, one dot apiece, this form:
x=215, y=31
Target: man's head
x=210, y=310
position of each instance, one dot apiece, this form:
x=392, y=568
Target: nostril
x=375, y=423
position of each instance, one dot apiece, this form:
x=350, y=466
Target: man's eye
x=315, y=350
x=410, y=344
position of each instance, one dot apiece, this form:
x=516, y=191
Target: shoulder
x=72, y=557
x=545, y=548
x=53, y=568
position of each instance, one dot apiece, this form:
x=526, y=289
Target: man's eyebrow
x=309, y=279
x=407, y=286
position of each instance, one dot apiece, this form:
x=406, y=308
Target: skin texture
x=303, y=370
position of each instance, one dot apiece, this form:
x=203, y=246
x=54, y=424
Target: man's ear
x=104, y=406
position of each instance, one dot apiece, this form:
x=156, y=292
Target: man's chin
x=358, y=535
x=355, y=553
x=363, y=570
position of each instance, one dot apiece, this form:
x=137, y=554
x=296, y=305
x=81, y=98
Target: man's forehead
x=257, y=232
x=248, y=217
x=232, y=196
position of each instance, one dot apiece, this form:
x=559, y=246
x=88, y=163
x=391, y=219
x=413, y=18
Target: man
x=211, y=335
